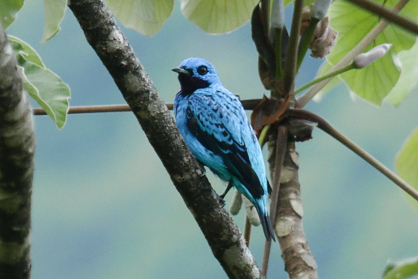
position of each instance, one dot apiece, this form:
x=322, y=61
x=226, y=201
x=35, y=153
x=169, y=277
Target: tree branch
x=326, y=127
x=248, y=104
x=17, y=147
x=297, y=257
x=111, y=46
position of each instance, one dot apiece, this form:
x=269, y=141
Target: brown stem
x=110, y=44
x=247, y=231
x=17, y=148
x=298, y=260
x=248, y=104
x=387, y=14
x=329, y=129
x=281, y=141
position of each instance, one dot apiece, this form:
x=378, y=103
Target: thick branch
x=298, y=260
x=111, y=46
x=17, y=147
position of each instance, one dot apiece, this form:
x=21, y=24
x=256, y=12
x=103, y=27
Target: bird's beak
x=181, y=71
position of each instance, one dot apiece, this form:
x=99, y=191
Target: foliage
x=48, y=90
x=401, y=269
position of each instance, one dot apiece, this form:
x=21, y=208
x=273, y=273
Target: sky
x=104, y=206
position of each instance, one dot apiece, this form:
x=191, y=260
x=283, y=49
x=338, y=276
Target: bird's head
x=195, y=73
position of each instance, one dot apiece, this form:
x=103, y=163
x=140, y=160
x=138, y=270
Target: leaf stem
x=327, y=76
x=261, y=138
x=289, y=68
x=306, y=40
x=278, y=51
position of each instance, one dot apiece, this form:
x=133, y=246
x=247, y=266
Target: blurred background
x=104, y=206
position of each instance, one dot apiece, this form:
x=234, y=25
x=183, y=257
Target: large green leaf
x=353, y=24
x=48, y=90
x=408, y=79
x=218, y=16
x=406, y=164
x=8, y=10
x=54, y=13
x=402, y=269
x=144, y=16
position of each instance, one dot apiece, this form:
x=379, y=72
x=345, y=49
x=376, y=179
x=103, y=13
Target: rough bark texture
x=299, y=262
x=17, y=146
x=111, y=46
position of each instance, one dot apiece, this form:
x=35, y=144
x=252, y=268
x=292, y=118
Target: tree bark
x=297, y=257
x=17, y=147
x=187, y=174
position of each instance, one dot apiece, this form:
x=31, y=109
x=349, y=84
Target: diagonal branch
x=17, y=147
x=326, y=127
x=223, y=236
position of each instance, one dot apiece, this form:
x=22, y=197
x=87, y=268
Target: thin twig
x=247, y=231
x=281, y=142
x=247, y=104
x=250, y=104
x=326, y=127
x=387, y=14
x=289, y=68
x=324, y=77
x=302, y=100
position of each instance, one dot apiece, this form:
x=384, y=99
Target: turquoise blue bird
x=214, y=125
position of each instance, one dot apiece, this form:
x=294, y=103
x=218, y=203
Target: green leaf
x=218, y=16
x=44, y=86
x=144, y=16
x=408, y=79
x=353, y=24
x=54, y=13
x=402, y=269
x=406, y=164
x=26, y=51
x=8, y=10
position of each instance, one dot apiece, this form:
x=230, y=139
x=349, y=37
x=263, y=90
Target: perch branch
x=110, y=44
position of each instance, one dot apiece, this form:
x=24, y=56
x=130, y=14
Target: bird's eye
x=202, y=70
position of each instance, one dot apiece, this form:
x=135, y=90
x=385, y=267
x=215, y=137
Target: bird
x=216, y=129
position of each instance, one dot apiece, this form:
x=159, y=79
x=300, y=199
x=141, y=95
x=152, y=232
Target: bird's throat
x=190, y=84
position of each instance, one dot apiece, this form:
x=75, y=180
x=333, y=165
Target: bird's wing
x=219, y=125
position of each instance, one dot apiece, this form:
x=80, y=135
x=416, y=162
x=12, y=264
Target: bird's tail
x=265, y=221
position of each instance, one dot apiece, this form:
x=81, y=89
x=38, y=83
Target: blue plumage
x=214, y=125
